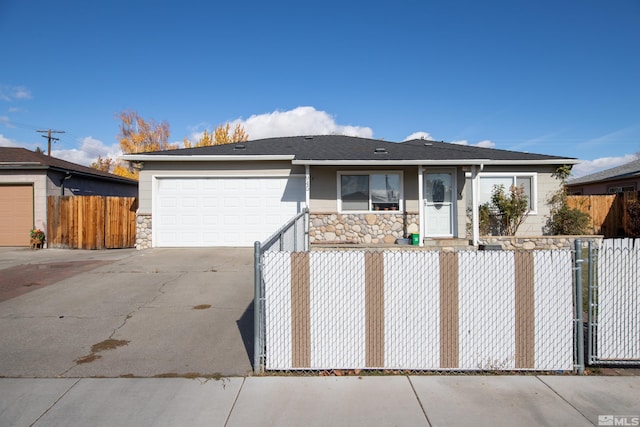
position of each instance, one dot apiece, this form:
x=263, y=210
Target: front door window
x=439, y=188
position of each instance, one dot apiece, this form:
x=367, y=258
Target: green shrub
x=484, y=219
x=510, y=209
x=568, y=221
x=562, y=219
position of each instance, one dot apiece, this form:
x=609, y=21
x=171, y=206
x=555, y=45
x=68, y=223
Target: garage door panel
x=169, y=202
x=224, y=211
x=16, y=214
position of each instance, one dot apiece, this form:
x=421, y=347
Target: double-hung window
x=370, y=191
x=528, y=181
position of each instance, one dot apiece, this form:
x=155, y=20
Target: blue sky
x=551, y=77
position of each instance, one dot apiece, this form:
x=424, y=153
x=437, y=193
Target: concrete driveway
x=126, y=313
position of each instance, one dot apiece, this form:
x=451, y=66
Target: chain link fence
x=613, y=325
x=415, y=311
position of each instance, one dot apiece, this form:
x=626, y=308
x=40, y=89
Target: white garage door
x=193, y=212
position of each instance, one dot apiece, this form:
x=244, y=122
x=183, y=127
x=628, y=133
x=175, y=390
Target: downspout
x=307, y=185
x=421, y=205
x=62, y=183
x=475, y=216
x=307, y=200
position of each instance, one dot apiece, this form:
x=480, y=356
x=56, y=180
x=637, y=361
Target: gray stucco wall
x=546, y=185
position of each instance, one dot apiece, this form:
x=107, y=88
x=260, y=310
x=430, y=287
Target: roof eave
x=40, y=166
x=204, y=158
x=430, y=162
x=581, y=181
x=23, y=166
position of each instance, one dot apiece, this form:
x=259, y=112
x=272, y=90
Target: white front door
x=439, y=203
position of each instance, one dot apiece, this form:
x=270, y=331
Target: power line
x=50, y=138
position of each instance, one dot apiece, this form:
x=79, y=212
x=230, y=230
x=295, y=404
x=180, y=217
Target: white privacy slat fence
x=411, y=316
x=616, y=304
x=414, y=310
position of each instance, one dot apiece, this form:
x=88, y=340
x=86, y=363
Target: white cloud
x=299, y=121
x=484, y=143
x=6, y=142
x=587, y=167
x=5, y=120
x=9, y=93
x=88, y=152
x=419, y=135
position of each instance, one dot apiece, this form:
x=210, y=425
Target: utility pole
x=50, y=138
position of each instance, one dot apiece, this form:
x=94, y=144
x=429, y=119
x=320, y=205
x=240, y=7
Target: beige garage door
x=16, y=214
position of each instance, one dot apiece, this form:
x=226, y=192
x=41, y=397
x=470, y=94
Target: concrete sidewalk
x=321, y=401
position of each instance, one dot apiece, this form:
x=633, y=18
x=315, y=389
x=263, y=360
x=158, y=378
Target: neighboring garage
x=16, y=214
x=28, y=178
x=223, y=211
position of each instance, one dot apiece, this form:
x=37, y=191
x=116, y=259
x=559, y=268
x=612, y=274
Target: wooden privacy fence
x=608, y=212
x=91, y=222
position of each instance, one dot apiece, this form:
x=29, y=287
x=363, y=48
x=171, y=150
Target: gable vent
x=380, y=151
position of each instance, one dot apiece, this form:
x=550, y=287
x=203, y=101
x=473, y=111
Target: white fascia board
x=469, y=162
x=201, y=158
x=386, y=162
x=534, y=162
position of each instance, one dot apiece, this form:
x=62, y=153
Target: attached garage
x=16, y=214
x=227, y=211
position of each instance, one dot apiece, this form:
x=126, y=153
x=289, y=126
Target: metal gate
x=613, y=324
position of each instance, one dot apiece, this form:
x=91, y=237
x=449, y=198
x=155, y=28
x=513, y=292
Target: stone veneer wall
x=143, y=231
x=361, y=228
x=541, y=242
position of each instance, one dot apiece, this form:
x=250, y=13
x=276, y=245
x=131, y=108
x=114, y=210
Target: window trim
x=401, y=201
x=621, y=188
x=514, y=176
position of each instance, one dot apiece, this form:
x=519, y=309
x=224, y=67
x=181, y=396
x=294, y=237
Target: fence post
x=306, y=229
x=295, y=236
x=590, y=304
x=578, y=328
x=257, y=308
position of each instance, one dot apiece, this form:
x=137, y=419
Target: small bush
x=511, y=208
x=564, y=220
x=568, y=221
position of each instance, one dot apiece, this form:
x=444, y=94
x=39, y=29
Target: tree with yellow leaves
x=141, y=136
x=221, y=135
x=103, y=164
x=136, y=136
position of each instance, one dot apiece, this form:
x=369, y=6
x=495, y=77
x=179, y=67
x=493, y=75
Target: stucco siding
x=324, y=186
x=546, y=186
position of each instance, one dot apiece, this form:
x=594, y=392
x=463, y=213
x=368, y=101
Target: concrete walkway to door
x=126, y=313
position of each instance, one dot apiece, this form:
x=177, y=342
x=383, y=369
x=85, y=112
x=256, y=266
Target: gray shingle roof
x=21, y=158
x=619, y=172
x=341, y=147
